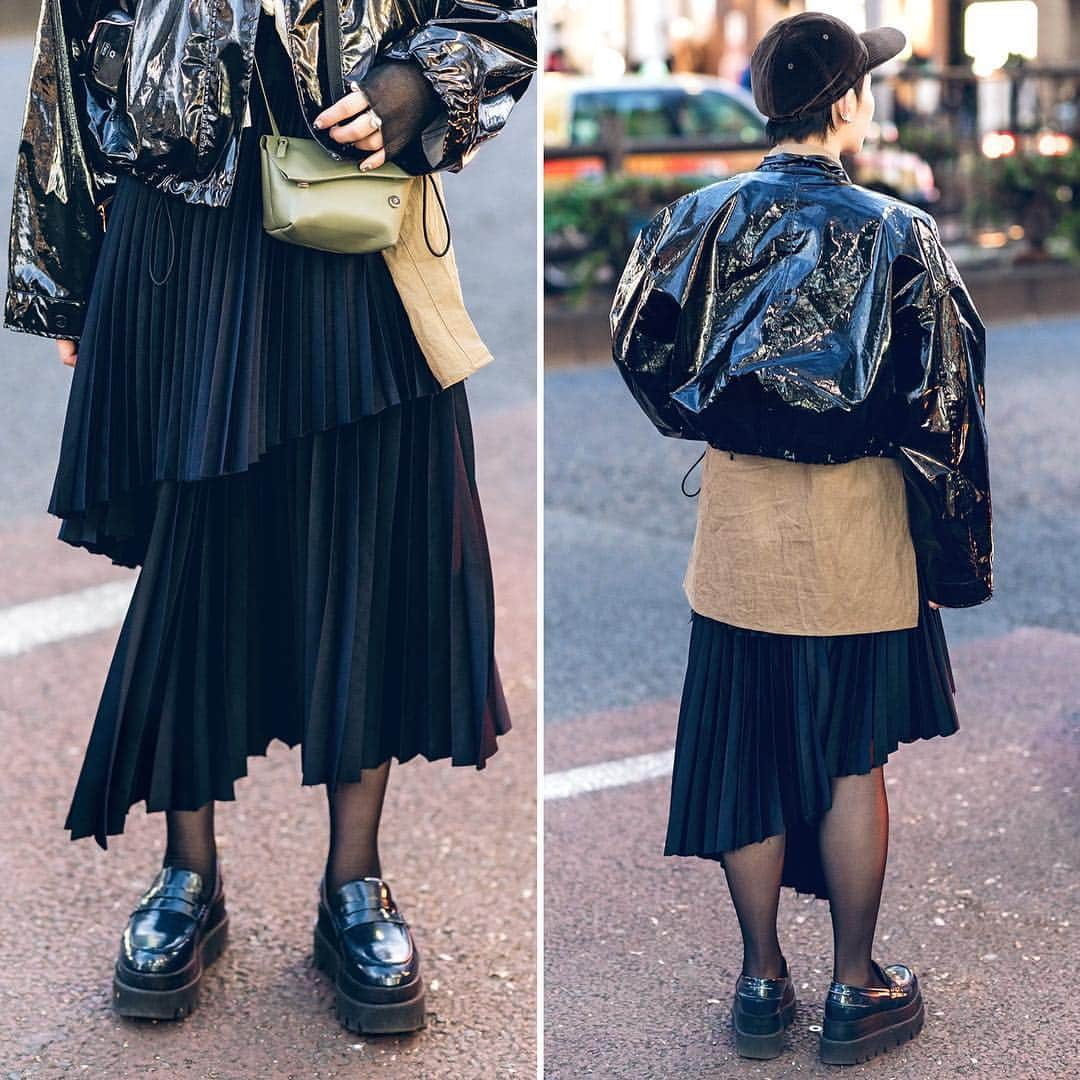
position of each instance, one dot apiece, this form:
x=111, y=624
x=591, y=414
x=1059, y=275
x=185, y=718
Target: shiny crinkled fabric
x=788, y=312
x=177, y=120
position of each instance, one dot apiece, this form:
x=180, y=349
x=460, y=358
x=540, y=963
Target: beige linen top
x=428, y=285
x=797, y=548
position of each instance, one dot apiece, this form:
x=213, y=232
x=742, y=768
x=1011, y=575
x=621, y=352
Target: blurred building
x=716, y=36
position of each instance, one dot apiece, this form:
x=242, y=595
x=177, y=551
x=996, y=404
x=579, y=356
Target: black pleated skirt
x=767, y=720
x=254, y=425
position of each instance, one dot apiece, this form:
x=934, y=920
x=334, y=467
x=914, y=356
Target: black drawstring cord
x=163, y=202
x=446, y=219
x=686, y=476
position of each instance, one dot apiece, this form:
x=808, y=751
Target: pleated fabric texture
x=248, y=342
x=263, y=437
x=767, y=720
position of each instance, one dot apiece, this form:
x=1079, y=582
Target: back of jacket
x=791, y=313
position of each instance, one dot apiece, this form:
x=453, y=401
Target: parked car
x=689, y=125
x=679, y=108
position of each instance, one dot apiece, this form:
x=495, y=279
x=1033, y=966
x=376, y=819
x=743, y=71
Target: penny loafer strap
x=171, y=902
x=365, y=892
x=363, y=916
x=869, y=996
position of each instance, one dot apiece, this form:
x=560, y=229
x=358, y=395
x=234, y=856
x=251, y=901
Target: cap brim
x=883, y=43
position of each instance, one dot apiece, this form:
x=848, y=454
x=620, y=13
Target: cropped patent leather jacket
x=189, y=73
x=789, y=312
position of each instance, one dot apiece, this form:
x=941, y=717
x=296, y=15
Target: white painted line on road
x=56, y=618
x=607, y=774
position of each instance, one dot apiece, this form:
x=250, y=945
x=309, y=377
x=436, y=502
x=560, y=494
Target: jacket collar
x=805, y=164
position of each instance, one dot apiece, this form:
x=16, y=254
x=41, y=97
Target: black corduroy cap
x=810, y=60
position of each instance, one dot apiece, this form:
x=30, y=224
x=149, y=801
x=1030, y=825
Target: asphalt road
x=642, y=951
x=458, y=846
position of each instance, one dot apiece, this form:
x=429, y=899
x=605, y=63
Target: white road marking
x=56, y=618
x=607, y=774
x=28, y=626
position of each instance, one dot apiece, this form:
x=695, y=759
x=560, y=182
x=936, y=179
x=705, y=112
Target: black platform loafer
x=363, y=943
x=863, y=1021
x=169, y=939
x=763, y=1009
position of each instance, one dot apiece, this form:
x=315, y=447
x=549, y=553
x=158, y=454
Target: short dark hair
x=819, y=122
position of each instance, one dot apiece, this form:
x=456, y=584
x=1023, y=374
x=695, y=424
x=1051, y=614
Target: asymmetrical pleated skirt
x=254, y=426
x=767, y=720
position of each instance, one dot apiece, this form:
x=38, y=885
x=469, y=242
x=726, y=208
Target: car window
x=645, y=114
x=718, y=115
x=663, y=113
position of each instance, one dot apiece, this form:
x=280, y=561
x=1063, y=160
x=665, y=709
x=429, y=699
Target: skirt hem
x=801, y=888
x=768, y=721
x=127, y=549
x=229, y=794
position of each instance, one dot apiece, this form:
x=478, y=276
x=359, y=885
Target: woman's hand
x=395, y=103
x=932, y=604
x=69, y=351
x=364, y=132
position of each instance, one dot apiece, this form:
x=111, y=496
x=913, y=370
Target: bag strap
x=332, y=26
x=266, y=100
x=423, y=213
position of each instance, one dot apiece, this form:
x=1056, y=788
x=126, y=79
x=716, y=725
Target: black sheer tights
x=355, y=811
x=854, y=837
x=854, y=847
x=190, y=843
x=753, y=877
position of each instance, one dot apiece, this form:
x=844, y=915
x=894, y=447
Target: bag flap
x=305, y=159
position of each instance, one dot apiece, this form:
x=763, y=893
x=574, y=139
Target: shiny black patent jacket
x=178, y=127
x=791, y=313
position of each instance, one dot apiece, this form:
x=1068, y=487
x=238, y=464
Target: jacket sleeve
x=479, y=56
x=940, y=362
x=644, y=322
x=652, y=309
x=56, y=223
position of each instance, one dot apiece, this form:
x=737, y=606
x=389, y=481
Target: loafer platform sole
x=750, y=1044
x=368, y=1010
x=169, y=1001
x=852, y=1042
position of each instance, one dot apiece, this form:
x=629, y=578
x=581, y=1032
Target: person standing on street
x=817, y=336
x=277, y=435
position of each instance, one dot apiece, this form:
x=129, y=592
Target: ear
x=848, y=105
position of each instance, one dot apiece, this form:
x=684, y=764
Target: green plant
x=933, y=144
x=1069, y=228
x=590, y=226
x=1040, y=192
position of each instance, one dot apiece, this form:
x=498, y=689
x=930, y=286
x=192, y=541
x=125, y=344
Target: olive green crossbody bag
x=313, y=200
